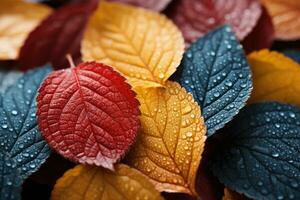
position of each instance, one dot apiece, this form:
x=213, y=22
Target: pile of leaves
x=150, y=99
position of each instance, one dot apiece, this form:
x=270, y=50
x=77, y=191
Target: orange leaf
x=285, y=15
x=275, y=78
x=17, y=20
x=231, y=195
x=94, y=183
x=143, y=45
x=171, y=140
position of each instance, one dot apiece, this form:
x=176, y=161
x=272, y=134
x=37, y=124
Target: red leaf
x=262, y=35
x=56, y=36
x=157, y=5
x=197, y=17
x=88, y=114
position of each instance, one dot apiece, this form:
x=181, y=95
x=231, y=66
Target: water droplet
x=216, y=94
x=189, y=55
x=4, y=126
x=32, y=165
x=14, y=112
x=189, y=134
x=9, y=183
x=229, y=84
x=275, y=155
x=161, y=75
x=292, y=115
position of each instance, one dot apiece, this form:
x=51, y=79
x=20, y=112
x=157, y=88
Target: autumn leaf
x=144, y=46
x=58, y=35
x=285, y=15
x=195, y=18
x=157, y=5
x=88, y=114
x=93, y=183
x=17, y=20
x=262, y=35
x=275, y=77
x=171, y=139
x=231, y=195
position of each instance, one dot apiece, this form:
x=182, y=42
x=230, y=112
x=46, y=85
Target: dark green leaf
x=262, y=157
x=293, y=54
x=8, y=78
x=216, y=72
x=19, y=134
x=10, y=182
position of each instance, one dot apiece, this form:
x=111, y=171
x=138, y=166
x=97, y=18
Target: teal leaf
x=10, y=182
x=19, y=134
x=293, y=54
x=215, y=70
x=8, y=78
x=261, y=158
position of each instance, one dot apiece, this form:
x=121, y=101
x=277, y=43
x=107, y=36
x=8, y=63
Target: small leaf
x=157, y=5
x=231, y=195
x=293, y=54
x=19, y=134
x=195, y=18
x=261, y=158
x=285, y=15
x=18, y=19
x=216, y=72
x=10, y=182
x=8, y=78
x=262, y=35
x=144, y=46
x=275, y=78
x=85, y=182
x=171, y=139
x=88, y=114
x=58, y=35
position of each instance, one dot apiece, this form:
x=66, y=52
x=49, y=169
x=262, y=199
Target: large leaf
x=88, y=114
x=275, y=77
x=10, y=182
x=17, y=20
x=261, y=156
x=84, y=182
x=8, y=78
x=216, y=72
x=144, y=46
x=285, y=15
x=58, y=35
x=171, y=139
x=195, y=18
x=157, y=5
x=19, y=134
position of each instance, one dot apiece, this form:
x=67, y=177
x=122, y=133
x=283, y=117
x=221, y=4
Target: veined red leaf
x=197, y=17
x=58, y=35
x=262, y=35
x=88, y=114
x=157, y=5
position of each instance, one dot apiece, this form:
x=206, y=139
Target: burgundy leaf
x=197, y=17
x=262, y=35
x=58, y=35
x=157, y=5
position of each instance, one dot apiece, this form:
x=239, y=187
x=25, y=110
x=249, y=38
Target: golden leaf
x=275, y=78
x=231, y=195
x=95, y=183
x=143, y=45
x=171, y=140
x=17, y=20
x=285, y=16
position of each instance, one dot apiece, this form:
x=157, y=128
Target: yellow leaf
x=231, y=195
x=143, y=45
x=171, y=140
x=285, y=16
x=95, y=183
x=17, y=20
x=275, y=78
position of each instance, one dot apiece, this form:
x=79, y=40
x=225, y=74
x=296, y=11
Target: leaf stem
x=70, y=60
